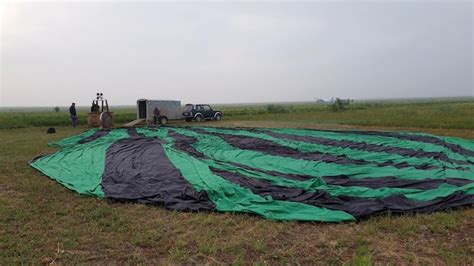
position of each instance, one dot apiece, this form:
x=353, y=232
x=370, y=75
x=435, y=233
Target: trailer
x=169, y=110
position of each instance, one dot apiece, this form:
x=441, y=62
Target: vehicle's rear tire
x=198, y=118
x=163, y=120
x=218, y=117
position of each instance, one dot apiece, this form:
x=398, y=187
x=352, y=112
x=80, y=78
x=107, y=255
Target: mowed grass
x=43, y=222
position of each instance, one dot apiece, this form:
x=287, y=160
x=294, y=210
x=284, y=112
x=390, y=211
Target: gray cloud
x=55, y=53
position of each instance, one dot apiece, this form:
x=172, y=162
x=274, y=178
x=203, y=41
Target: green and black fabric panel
x=279, y=173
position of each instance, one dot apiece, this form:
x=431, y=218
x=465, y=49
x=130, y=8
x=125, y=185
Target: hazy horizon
x=55, y=53
x=373, y=100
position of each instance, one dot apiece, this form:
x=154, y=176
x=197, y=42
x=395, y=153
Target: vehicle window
x=188, y=107
x=207, y=108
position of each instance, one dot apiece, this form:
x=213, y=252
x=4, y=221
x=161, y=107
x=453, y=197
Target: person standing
x=73, y=113
x=156, y=115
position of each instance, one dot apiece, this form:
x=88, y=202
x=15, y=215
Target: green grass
x=43, y=222
x=448, y=114
x=21, y=119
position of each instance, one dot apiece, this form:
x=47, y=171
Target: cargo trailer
x=169, y=110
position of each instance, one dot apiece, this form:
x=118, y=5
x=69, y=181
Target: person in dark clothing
x=72, y=112
x=156, y=115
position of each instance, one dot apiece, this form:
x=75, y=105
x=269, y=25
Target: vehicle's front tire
x=198, y=118
x=218, y=117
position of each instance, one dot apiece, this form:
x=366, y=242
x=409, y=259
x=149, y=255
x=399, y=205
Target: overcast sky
x=54, y=53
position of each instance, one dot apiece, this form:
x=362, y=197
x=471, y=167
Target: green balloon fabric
x=277, y=173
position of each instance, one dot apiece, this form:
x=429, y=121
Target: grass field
x=42, y=222
x=447, y=114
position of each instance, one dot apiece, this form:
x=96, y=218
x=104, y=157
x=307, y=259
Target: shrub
x=340, y=105
x=56, y=109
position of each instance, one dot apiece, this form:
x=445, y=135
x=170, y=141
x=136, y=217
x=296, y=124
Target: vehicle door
x=198, y=110
x=207, y=111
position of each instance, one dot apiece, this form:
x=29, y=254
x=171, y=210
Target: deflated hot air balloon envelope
x=278, y=173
